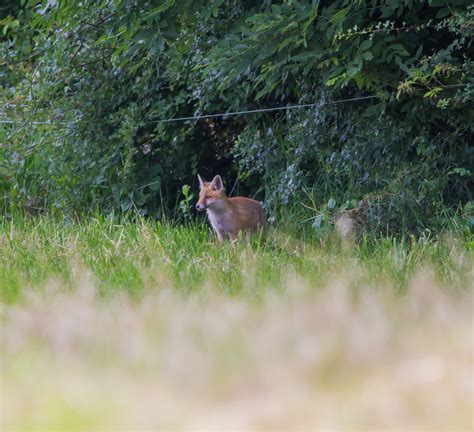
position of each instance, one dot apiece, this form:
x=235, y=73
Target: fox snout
x=200, y=207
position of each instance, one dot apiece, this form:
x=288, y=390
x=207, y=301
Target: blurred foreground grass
x=142, y=325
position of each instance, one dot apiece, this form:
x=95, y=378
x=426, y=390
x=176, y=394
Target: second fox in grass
x=229, y=216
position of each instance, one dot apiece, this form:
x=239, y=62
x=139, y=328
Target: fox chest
x=221, y=222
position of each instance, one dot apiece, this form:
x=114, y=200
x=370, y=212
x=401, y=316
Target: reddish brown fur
x=229, y=216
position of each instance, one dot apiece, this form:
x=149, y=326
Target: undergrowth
x=105, y=322
x=136, y=255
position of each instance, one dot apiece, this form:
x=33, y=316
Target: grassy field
x=145, y=325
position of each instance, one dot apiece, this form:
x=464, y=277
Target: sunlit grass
x=147, y=325
x=132, y=255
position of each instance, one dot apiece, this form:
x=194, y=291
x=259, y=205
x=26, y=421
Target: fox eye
x=208, y=196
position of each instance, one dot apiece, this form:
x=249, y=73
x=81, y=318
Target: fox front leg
x=220, y=236
x=233, y=237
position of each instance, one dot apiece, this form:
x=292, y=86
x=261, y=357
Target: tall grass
x=132, y=256
x=132, y=325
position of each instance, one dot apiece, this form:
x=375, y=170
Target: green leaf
x=372, y=111
x=365, y=44
x=318, y=221
x=460, y=171
x=443, y=12
x=367, y=55
x=399, y=49
x=154, y=186
x=332, y=81
x=125, y=204
x=331, y=203
x=158, y=10
x=353, y=70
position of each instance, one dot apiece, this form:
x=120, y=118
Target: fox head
x=211, y=193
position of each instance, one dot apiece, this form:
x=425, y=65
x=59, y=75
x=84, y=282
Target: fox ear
x=201, y=182
x=217, y=183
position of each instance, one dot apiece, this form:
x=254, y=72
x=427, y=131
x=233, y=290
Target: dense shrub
x=105, y=73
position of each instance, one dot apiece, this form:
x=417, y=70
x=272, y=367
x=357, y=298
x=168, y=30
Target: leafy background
x=102, y=74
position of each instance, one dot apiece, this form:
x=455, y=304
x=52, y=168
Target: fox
x=229, y=216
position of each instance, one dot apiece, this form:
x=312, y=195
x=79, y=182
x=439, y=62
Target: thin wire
x=227, y=114
x=259, y=110
x=33, y=123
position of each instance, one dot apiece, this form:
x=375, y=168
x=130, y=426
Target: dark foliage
x=105, y=73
